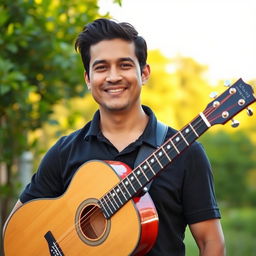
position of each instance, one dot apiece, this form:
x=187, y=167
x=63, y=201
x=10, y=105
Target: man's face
x=115, y=78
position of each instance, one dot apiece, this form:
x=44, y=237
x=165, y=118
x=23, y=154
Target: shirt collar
x=94, y=128
x=148, y=136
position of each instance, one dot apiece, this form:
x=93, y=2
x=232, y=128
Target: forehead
x=114, y=49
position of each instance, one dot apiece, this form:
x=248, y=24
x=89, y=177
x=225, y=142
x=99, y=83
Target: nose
x=113, y=76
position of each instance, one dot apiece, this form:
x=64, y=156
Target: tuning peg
x=227, y=83
x=213, y=95
x=249, y=111
x=235, y=123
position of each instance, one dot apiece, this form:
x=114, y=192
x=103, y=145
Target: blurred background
x=194, y=46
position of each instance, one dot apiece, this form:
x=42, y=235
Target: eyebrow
x=96, y=62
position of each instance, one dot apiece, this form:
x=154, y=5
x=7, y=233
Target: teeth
x=115, y=90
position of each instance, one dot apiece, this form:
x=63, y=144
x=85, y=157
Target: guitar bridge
x=54, y=248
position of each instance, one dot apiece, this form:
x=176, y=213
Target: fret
x=179, y=142
x=110, y=204
x=189, y=134
x=140, y=175
x=174, y=146
x=105, y=211
x=170, y=151
x=141, y=171
x=130, y=183
x=167, y=155
x=183, y=138
x=157, y=160
x=193, y=130
x=160, y=155
x=118, y=194
x=118, y=188
x=114, y=195
x=106, y=204
x=125, y=184
x=148, y=172
x=144, y=173
x=134, y=181
x=150, y=167
x=135, y=175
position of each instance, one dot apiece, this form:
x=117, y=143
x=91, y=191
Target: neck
x=123, y=121
x=128, y=125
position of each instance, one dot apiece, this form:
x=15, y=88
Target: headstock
x=224, y=107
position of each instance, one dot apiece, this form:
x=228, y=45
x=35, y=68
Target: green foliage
x=38, y=65
x=232, y=157
x=239, y=230
x=38, y=68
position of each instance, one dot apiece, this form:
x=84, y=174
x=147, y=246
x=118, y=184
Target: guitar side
x=67, y=225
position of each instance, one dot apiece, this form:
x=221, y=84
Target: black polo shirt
x=183, y=193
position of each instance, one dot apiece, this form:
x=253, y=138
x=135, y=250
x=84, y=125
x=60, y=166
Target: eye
x=100, y=68
x=126, y=65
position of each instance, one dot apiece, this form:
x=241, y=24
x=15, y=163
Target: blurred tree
x=233, y=158
x=176, y=90
x=38, y=68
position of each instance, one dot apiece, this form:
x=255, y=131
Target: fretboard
x=128, y=187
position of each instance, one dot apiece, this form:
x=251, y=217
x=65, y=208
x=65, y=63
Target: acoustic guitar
x=101, y=213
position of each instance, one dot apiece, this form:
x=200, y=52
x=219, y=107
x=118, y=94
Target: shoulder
x=196, y=150
x=68, y=140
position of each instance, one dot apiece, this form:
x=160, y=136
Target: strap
x=146, y=150
x=161, y=131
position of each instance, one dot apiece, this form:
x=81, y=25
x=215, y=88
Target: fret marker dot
x=187, y=130
x=138, y=172
x=177, y=139
x=145, y=167
x=168, y=146
x=132, y=178
x=152, y=160
x=126, y=183
x=160, y=153
x=113, y=194
x=118, y=190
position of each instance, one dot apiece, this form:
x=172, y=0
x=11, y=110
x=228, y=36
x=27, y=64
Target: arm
x=16, y=207
x=209, y=237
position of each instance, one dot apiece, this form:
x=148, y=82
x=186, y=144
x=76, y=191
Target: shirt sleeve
x=47, y=181
x=198, y=190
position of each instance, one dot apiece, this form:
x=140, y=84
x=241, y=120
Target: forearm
x=209, y=237
x=212, y=248
x=16, y=207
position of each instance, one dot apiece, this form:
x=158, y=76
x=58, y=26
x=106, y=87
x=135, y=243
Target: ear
x=87, y=80
x=145, y=74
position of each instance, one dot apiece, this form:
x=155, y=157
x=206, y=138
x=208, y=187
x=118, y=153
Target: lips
x=115, y=90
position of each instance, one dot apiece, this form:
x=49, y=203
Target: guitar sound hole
x=92, y=222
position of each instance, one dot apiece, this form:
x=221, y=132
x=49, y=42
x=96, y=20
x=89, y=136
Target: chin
x=116, y=108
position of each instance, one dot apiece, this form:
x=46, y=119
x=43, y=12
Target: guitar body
x=73, y=224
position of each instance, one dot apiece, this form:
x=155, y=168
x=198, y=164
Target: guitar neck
x=222, y=109
x=127, y=188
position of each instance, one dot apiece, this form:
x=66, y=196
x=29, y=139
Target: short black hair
x=106, y=29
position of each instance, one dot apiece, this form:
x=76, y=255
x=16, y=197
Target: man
x=114, y=57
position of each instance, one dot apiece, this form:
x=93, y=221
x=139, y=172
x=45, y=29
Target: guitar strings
x=95, y=211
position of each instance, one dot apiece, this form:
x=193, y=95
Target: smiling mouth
x=115, y=91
